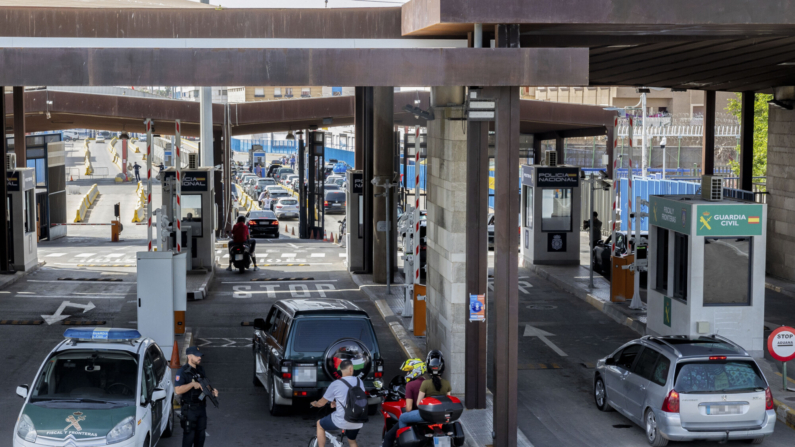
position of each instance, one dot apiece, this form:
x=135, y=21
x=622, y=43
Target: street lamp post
x=662, y=144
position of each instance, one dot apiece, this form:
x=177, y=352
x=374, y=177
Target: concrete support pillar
x=4, y=254
x=19, y=126
x=538, y=157
x=477, y=209
x=747, y=141
x=383, y=170
x=708, y=140
x=781, y=189
x=610, y=150
x=206, y=127
x=447, y=181
x=560, y=149
x=358, y=128
x=506, y=265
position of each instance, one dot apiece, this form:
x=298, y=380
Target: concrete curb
x=778, y=289
x=398, y=331
x=9, y=280
x=201, y=293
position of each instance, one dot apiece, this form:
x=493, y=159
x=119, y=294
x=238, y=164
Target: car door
x=163, y=382
x=273, y=353
x=145, y=397
x=637, y=383
x=617, y=372
x=149, y=378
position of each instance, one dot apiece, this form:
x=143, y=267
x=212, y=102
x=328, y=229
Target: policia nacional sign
x=729, y=220
x=557, y=177
x=191, y=181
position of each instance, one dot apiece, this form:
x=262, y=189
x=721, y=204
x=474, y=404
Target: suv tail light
x=379, y=369
x=252, y=222
x=286, y=370
x=768, y=399
x=325, y=203
x=671, y=403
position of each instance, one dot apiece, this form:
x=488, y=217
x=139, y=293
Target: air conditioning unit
x=11, y=162
x=193, y=161
x=712, y=188
x=551, y=158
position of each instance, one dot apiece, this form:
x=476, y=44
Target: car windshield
x=335, y=196
x=288, y=202
x=266, y=181
x=105, y=376
x=312, y=336
x=265, y=214
x=718, y=377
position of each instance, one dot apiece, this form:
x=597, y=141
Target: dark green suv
x=291, y=342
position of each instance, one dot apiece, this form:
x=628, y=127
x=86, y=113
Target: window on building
x=260, y=92
x=722, y=255
x=528, y=207
x=192, y=213
x=305, y=93
x=288, y=92
x=277, y=92
x=556, y=209
x=681, y=257
x=661, y=277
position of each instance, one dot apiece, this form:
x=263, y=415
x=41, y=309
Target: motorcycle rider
x=241, y=235
x=436, y=386
x=417, y=374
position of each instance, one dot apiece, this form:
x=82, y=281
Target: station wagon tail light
x=718, y=357
x=671, y=403
x=768, y=399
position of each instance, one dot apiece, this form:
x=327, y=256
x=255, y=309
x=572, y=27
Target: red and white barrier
x=178, y=166
x=417, y=205
x=148, y=124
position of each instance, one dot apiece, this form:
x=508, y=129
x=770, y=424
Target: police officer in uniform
x=194, y=402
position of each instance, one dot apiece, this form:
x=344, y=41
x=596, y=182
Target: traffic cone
x=285, y=229
x=71, y=178
x=175, y=357
x=293, y=231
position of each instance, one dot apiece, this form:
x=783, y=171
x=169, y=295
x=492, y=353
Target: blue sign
x=477, y=308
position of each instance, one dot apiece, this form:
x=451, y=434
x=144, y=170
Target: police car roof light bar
x=99, y=334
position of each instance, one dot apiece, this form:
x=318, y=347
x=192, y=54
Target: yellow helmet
x=414, y=367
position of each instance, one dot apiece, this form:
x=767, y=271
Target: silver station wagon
x=680, y=388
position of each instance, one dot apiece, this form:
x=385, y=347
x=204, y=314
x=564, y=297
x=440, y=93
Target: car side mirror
x=610, y=361
x=158, y=395
x=22, y=391
x=260, y=324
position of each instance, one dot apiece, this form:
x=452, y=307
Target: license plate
x=238, y=257
x=336, y=204
x=723, y=409
x=441, y=441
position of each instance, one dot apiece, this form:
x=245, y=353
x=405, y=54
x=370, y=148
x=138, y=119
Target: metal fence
x=79, y=172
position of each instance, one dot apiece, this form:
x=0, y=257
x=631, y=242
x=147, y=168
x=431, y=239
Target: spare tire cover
x=347, y=349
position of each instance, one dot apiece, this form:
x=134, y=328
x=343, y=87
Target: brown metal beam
x=204, y=23
x=560, y=148
x=708, y=139
x=309, y=67
x=19, y=126
x=4, y=249
x=747, y=141
x=506, y=292
x=477, y=200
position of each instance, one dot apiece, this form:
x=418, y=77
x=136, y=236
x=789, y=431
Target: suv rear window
x=335, y=196
x=312, y=336
x=718, y=377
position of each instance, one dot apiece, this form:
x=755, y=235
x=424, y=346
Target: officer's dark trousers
x=193, y=435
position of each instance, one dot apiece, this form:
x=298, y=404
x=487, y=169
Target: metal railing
x=79, y=173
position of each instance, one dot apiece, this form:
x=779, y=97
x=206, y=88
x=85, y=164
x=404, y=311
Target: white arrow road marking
x=523, y=286
x=57, y=316
x=530, y=331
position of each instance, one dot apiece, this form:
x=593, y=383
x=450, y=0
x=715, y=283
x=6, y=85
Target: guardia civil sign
x=729, y=220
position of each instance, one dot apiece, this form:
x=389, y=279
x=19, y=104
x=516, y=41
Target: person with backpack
x=348, y=398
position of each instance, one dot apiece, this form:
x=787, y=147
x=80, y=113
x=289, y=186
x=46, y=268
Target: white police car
x=100, y=386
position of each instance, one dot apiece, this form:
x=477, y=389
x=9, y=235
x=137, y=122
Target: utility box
x=115, y=231
x=550, y=215
x=419, y=310
x=23, y=238
x=354, y=221
x=707, y=268
x=622, y=280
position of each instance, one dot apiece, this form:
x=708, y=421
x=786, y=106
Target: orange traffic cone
x=71, y=178
x=293, y=231
x=312, y=234
x=286, y=230
x=175, y=357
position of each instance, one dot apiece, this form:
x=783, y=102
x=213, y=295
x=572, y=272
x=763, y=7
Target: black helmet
x=435, y=362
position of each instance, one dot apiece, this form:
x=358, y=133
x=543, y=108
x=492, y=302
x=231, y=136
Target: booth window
x=528, y=207
x=727, y=271
x=556, y=209
x=680, y=266
x=661, y=277
x=30, y=210
x=192, y=212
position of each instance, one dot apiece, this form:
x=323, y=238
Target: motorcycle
x=240, y=257
x=343, y=224
x=440, y=413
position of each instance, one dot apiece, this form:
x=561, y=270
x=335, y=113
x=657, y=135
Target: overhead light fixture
x=678, y=90
x=419, y=113
x=621, y=46
x=290, y=136
x=786, y=104
x=787, y=64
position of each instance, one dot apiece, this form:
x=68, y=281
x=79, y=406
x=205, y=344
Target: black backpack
x=356, y=408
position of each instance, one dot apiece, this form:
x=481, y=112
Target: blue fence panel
x=410, y=176
x=341, y=155
x=648, y=187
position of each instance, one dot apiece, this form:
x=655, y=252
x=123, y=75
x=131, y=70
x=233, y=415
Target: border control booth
x=707, y=269
x=22, y=235
x=550, y=215
x=198, y=214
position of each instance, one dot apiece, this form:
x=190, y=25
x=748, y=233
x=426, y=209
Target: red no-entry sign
x=781, y=344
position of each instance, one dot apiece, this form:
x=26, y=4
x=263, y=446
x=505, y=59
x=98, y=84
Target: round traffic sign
x=781, y=344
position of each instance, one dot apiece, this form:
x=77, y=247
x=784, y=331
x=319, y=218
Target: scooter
x=440, y=413
x=240, y=257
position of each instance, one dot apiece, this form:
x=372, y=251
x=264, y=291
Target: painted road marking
x=106, y=265
x=55, y=255
x=58, y=315
x=530, y=331
x=295, y=290
x=92, y=297
x=219, y=342
x=114, y=255
x=288, y=255
x=85, y=255
x=343, y=255
x=317, y=255
x=523, y=286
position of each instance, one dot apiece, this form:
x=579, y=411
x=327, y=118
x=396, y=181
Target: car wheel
x=170, y=425
x=756, y=440
x=653, y=436
x=600, y=395
x=274, y=408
